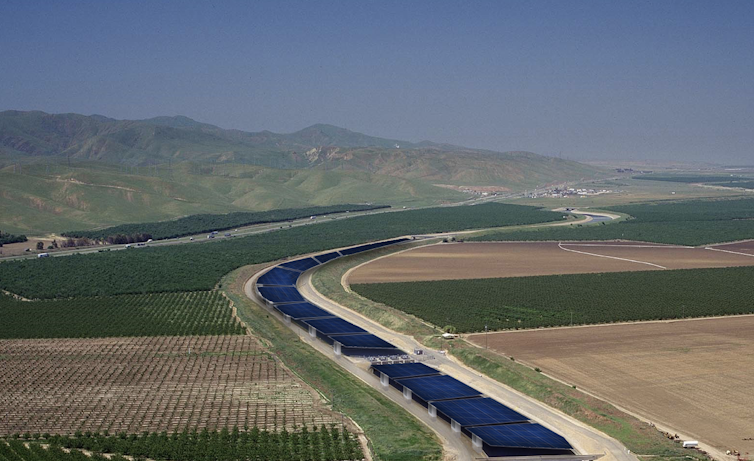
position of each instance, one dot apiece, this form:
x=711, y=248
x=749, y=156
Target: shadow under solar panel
x=477, y=412
x=406, y=370
x=301, y=264
x=441, y=387
x=303, y=311
x=520, y=436
x=281, y=294
x=335, y=326
x=279, y=276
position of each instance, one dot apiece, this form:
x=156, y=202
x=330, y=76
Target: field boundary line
x=625, y=246
x=729, y=251
x=560, y=245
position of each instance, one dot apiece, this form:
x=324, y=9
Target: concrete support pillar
x=407, y=393
x=384, y=380
x=432, y=410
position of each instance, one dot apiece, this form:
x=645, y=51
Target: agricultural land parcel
x=693, y=222
x=693, y=375
x=149, y=384
x=199, y=266
x=451, y=261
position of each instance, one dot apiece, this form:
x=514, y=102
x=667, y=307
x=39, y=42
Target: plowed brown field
x=520, y=259
x=149, y=384
x=695, y=376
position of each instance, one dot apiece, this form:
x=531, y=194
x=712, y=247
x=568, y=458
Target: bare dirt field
x=521, y=259
x=738, y=247
x=149, y=384
x=693, y=375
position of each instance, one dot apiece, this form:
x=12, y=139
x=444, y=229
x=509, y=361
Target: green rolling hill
x=144, y=170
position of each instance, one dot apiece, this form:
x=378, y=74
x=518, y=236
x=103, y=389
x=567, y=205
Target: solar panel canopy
x=406, y=370
x=278, y=276
x=520, y=436
x=367, y=341
x=301, y=264
x=303, y=310
x=475, y=412
x=327, y=257
x=335, y=326
x=439, y=387
x=281, y=294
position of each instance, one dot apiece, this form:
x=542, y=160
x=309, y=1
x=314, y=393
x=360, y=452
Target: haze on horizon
x=642, y=80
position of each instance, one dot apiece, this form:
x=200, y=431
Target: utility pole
x=485, y=336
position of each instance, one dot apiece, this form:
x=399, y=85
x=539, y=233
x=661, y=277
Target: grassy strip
x=394, y=434
x=636, y=435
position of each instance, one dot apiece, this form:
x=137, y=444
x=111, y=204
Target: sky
x=610, y=80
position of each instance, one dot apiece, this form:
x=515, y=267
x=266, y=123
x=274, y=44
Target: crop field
x=451, y=261
x=693, y=222
x=558, y=300
x=694, y=376
x=61, y=386
x=160, y=314
x=199, y=266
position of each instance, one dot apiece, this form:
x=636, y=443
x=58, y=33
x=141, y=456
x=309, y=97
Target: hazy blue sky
x=603, y=79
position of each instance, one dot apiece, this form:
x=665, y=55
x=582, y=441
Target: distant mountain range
x=325, y=147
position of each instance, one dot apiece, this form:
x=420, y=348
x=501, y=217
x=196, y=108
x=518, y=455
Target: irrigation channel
x=265, y=288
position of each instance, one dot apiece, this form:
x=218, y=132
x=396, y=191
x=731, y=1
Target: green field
x=694, y=222
x=199, y=266
x=162, y=314
x=201, y=223
x=306, y=444
x=558, y=300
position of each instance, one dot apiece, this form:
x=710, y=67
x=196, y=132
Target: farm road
x=585, y=439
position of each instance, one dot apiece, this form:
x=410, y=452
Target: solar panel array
x=520, y=436
x=335, y=326
x=439, y=387
x=484, y=417
x=499, y=427
x=327, y=257
x=303, y=311
x=406, y=370
x=301, y=264
x=281, y=294
x=278, y=287
x=478, y=412
x=370, y=246
x=279, y=276
x=365, y=341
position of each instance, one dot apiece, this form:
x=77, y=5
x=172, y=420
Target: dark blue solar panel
x=303, y=310
x=406, y=370
x=439, y=387
x=281, y=294
x=370, y=246
x=370, y=341
x=476, y=412
x=278, y=276
x=327, y=257
x=300, y=264
x=335, y=326
x=520, y=436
